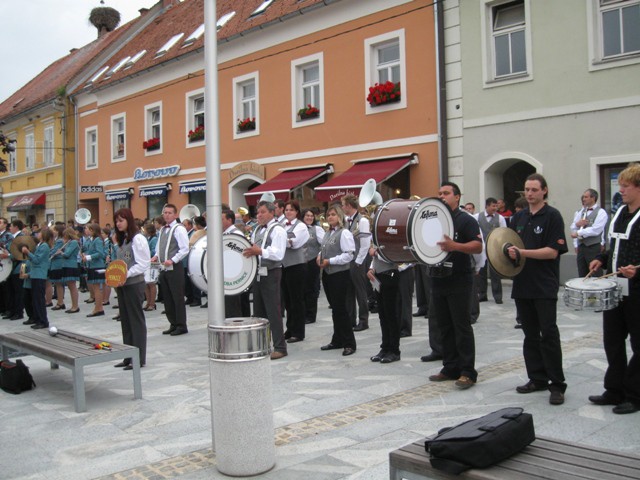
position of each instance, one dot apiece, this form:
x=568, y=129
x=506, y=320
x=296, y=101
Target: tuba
x=369, y=199
x=82, y=216
x=189, y=211
x=267, y=197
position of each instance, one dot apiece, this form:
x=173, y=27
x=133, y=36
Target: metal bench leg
x=79, y=400
x=54, y=366
x=137, y=382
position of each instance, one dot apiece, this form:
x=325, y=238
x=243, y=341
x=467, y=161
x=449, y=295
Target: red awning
x=27, y=202
x=282, y=184
x=352, y=180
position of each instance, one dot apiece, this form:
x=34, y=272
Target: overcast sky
x=35, y=33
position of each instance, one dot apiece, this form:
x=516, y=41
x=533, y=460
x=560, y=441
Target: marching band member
x=334, y=259
x=39, y=268
x=232, y=303
x=70, y=269
x=55, y=269
x=312, y=277
x=293, y=272
x=16, y=310
x=133, y=248
x=151, y=289
x=94, y=259
x=105, y=233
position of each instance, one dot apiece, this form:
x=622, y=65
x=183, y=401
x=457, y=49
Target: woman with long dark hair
x=39, y=269
x=133, y=248
x=312, y=276
x=94, y=259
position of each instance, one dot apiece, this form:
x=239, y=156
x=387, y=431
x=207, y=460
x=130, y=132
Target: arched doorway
x=239, y=187
x=503, y=176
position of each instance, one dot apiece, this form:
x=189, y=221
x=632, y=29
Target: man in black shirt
x=622, y=379
x=535, y=289
x=451, y=294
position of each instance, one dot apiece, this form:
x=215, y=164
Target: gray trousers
x=266, y=304
x=496, y=283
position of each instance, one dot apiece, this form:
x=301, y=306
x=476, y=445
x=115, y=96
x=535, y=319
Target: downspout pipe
x=443, y=135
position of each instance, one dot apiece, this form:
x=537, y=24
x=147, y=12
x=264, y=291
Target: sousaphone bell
x=19, y=242
x=189, y=211
x=267, y=197
x=498, y=243
x=82, y=216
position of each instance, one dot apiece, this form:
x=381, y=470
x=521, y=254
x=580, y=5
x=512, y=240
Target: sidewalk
x=335, y=417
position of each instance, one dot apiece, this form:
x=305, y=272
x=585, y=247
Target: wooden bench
x=73, y=351
x=544, y=458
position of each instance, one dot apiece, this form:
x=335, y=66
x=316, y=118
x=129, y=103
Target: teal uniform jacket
x=39, y=261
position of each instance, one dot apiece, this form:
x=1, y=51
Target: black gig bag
x=481, y=442
x=15, y=377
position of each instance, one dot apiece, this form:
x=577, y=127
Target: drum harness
x=263, y=240
x=618, y=236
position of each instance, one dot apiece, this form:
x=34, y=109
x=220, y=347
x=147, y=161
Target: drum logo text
x=428, y=214
x=234, y=247
x=392, y=231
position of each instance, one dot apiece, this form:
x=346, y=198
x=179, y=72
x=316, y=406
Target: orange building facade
x=273, y=65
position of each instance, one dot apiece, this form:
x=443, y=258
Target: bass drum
x=390, y=231
x=239, y=271
x=429, y=221
x=6, y=265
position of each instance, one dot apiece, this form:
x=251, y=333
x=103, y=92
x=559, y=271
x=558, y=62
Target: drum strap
x=169, y=237
x=620, y=236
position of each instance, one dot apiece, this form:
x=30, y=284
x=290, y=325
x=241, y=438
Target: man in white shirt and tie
x=587, y=231
x=488, y=220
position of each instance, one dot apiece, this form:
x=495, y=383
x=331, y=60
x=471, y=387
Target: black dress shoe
x=39, y=326
x=378, y=356
x=130, y=366
x=179, y=331
x=348, y=351
x=432, y=357
x=16, y=317
x=307, y=322
x=420, y=313
x=518, y=326
x=626, y=407
x=122, y=364
x=48, y=305
x=31, y=321
x=195, y=304
x=405, y=334
x=361, y=326
x=556, y=397
x=168, y=332
x=294, y=339
x=330, y=346
x=204, y=305
x=531, y=387
x=95, y=314
x=604, y=399
x=483, y=299
x=499, y=302
x=390, y=357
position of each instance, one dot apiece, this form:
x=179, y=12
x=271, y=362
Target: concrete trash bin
x=241, y=400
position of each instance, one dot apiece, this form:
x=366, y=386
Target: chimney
x=143, y=11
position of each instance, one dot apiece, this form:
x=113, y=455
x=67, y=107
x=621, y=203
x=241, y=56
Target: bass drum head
x=239, y=271
x=429, y=221
x=197, y=264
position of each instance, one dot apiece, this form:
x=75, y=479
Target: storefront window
x=610, y=198
x=155, y=204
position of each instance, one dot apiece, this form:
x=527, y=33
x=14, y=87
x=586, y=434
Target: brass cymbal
x=498, y=241
x=18, y=243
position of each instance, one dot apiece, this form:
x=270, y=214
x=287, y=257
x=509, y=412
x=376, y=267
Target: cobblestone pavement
x=334, y=417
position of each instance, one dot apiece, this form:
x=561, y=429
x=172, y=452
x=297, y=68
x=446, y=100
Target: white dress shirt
x=140, y=247
x=347, y=245
x=181, y=237
x=300, y=231
x=364, y=235
x=278, y=246
x=595, y=230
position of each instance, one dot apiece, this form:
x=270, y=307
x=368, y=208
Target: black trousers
x=293, y=289
x=541, y=349
x=423, y=289
x=132, y=319
x=266, y=304
x=38, y=303
x=17, y=294
x=453, y=313
x=311, y=291
x=335, y=286
x=622, y=379
x=172, y=282
x=356, y=294
x=387, y=311
x=586, y=254
x=404, y=303
x=233, y=306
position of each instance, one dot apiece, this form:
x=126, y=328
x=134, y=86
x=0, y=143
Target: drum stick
x=589, y=274
x=615, y=273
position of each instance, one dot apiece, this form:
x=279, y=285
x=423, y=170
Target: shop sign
x=91, y=189
x=247, y=168
x=162, y=172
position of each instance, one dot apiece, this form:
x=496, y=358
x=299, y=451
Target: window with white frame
x=385, y=72
x=620, y=28
x=506, y=27
x=153, y=128
x=30, y=151
x=12, y=162
x=308, y=94
x=195, y=116
x=118, y=137
x=49, y=147
x=91, y=147
x=508, y=33
x=246, y=105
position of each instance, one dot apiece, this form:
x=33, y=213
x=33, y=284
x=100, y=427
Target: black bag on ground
x=481, y=442
x=15, y=377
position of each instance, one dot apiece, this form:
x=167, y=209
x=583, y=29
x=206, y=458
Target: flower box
x=246, y=125
x=308, y=112
x=196, y=135
x=382, y=94
x=151, y=144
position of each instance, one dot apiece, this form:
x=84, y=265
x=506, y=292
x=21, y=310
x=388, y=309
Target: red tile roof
x=44, y=86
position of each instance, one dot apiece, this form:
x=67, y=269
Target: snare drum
x=409, y=231
x=153, y=273
x=239, y=271
x=595, y=294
